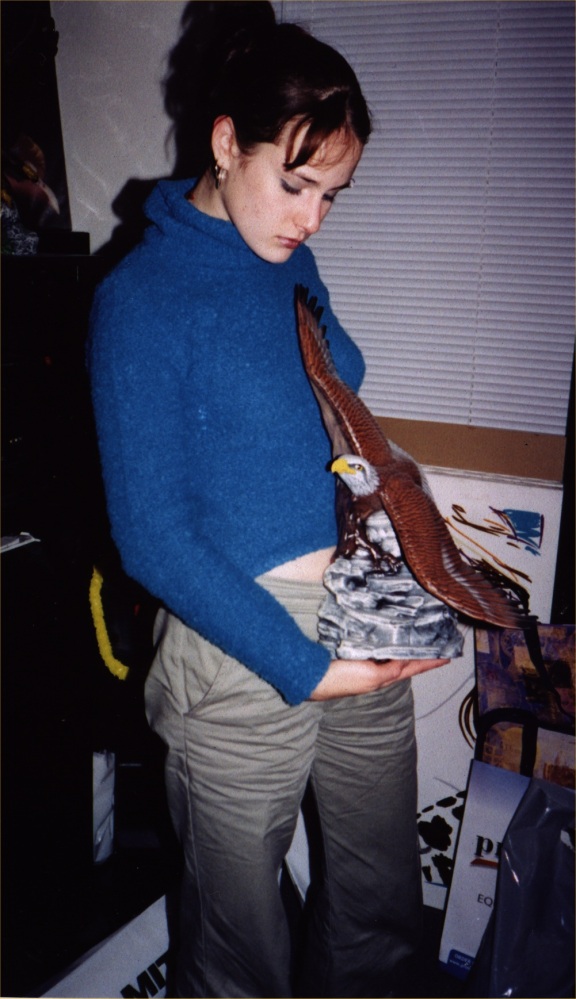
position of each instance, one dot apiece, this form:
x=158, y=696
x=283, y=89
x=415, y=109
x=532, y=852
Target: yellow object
x=102, y=638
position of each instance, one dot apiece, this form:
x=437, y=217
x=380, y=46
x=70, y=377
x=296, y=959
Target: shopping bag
x=528, y=948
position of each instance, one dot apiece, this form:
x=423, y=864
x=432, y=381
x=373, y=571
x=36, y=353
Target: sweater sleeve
x=154, y=508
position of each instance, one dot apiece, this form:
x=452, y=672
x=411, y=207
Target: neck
x=207, y=199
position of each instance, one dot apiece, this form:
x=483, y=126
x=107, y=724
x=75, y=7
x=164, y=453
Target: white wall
x=110, y=63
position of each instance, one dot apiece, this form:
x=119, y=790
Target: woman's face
x=275, y=209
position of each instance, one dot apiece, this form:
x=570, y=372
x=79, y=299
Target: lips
x=290, y=244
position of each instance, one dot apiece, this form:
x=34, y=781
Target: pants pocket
x=184, y=670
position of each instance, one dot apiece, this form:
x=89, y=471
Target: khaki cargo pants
x=239, y=760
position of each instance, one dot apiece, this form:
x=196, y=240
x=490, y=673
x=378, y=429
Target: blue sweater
x=213, y=451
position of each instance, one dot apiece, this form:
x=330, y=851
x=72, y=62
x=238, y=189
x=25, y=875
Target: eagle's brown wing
x=435, y=561
x=425, y=539
x=349, y=423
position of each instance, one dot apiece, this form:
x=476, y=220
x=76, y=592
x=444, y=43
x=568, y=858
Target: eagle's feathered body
x=399, y=490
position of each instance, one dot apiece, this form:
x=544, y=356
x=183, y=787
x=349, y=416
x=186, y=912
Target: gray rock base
x=383, y=615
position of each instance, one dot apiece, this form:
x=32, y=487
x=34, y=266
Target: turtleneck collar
x=176, y=218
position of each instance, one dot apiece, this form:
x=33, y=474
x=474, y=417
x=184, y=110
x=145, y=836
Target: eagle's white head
x=358, y=474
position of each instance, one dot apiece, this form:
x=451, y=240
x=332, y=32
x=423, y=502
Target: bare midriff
x=309, y=567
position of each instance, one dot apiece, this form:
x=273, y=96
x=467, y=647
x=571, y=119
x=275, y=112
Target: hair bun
x=213, y=34
x=239, y=25
x=233, y=59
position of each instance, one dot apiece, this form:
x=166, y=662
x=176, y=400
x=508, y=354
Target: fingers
x=402, y=669
x=411, y=667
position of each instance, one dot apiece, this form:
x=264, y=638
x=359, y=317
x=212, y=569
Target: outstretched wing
x=435, y=561
x=425, y=539
x=349, y=423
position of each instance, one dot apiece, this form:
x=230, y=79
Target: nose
x=310, y=217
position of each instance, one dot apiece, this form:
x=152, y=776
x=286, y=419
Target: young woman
x=214, y=458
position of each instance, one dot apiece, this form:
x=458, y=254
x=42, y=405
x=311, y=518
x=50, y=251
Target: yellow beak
x=340, y=465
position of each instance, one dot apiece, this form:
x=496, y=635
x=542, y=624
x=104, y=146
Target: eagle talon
x=387, y=564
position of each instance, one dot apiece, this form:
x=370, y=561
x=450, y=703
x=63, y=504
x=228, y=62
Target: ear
x=224, y=144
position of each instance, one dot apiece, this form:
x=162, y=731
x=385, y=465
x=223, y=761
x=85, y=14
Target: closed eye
x=298, y=190
x=290, y=190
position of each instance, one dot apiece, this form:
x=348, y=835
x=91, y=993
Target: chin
x=275, y=254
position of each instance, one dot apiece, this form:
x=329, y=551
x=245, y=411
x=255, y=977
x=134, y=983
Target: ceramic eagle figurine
x=374, y=474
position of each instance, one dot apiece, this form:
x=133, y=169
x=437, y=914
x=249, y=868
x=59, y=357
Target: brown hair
x=234, y=59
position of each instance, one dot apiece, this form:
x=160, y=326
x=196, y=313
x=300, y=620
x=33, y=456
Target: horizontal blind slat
x=451, y=260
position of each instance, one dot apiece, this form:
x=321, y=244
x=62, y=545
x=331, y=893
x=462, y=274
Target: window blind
x=451, y=261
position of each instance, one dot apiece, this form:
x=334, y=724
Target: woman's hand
x=346, y=677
